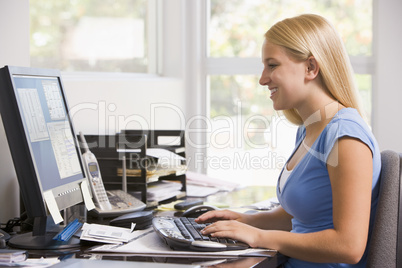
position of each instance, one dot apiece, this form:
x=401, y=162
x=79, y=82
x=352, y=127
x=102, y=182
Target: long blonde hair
x=312, y=35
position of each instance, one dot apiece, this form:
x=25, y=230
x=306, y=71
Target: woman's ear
x=312, y=68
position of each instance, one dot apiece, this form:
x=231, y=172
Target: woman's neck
x=317, y=120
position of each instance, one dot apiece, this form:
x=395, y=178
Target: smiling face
x=284, y=76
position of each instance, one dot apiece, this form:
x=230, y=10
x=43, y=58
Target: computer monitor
x=43, y=147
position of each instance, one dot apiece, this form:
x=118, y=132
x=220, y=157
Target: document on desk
x=200, y=191
x=205, y=180
x=107, y=234
x=148, y=243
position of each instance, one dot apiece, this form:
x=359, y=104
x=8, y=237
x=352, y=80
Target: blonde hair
x=312, y=35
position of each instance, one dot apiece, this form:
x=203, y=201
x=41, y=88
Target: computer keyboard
x=182, y=233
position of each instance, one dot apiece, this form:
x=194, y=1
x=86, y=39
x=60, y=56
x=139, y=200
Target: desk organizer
x=123, y=159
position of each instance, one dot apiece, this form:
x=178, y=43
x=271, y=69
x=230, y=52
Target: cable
x=21, y=221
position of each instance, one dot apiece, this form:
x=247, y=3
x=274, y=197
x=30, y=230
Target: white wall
x=387, y=97
x=14, y=50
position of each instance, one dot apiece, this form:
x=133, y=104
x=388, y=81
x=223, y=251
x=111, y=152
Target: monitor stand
x=42, y=237
x=28, y=241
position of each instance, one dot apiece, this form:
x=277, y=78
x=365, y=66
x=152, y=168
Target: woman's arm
x=275, y=219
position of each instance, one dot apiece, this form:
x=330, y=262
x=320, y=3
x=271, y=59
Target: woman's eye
x=272, y=66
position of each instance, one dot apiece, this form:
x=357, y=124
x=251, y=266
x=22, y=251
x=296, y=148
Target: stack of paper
x=163, y=190
x=148, y=243
x=204, y=180
x=12, y=256
x=200, y=191
x=106, y=234
x=155, y=171
x=164, y=163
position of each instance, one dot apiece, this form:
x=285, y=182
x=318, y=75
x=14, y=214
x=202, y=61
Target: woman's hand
x=235, y=230
x=229, y=224
x=219, y=215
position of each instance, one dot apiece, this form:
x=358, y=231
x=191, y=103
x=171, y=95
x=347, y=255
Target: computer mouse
x=196, y=211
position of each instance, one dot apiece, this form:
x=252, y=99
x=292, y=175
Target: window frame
x=155, y=51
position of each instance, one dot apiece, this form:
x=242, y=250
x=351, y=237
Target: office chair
x=386, y=241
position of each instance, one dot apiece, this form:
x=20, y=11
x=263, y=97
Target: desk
x=244, y=196
x=238, y=198
x=82, y=263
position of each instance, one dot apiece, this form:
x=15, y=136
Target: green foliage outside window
x=237, y=27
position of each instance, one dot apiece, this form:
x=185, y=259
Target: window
x=236, y=28
x=89, y=35
x=247, y=133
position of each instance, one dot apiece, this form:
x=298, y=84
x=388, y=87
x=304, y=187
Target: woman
x=328, y=189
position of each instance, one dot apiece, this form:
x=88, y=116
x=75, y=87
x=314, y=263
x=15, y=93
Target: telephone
x=108, y=203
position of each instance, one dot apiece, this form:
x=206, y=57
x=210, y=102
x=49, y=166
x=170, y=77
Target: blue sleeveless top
x=307, y=194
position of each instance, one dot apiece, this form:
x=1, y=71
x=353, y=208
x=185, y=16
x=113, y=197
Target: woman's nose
x=264, y=79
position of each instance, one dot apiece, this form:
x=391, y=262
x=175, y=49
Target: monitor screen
x=48, y=130
x=42, y=140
